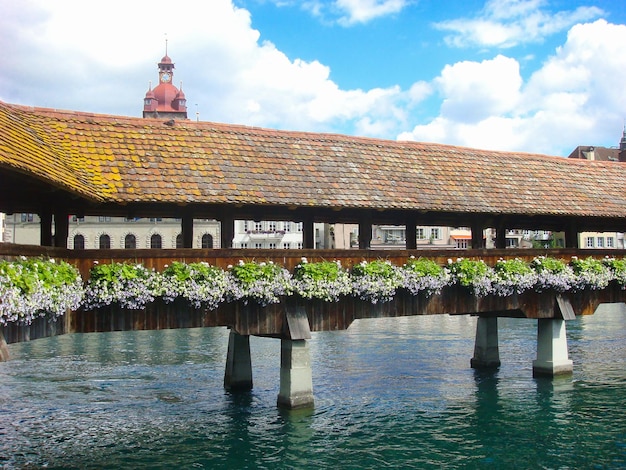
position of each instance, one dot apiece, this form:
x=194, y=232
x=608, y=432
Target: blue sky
x=525, y=75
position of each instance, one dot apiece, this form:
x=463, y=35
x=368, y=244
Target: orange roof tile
x=124, y=160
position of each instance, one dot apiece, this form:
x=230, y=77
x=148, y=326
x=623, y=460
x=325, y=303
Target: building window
x=299, y=226
x=420, y=233
x=286, y=246
x=179, y=241
x=435, y=233
x=610, y=242
x=130, y=242
x=207, y=240
x=104, y=242
x=246, y=226
x=79, y=242
x=154, y=220
x=104, y=219
x=272, y=226
x=600, y=242
x=462, y=244
x=258, y=226
x=75, y=218
x=287, y=226
x=299, y=245
x=589, y=242
x=258, y=246
x=27, y=217
x=272, y=246
x=155, y=241
x=244, y=245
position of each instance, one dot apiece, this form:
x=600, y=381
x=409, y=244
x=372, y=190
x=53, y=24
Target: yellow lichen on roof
x=124, y=160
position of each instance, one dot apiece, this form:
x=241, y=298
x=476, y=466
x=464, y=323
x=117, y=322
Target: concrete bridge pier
x=296, y=377
x=4, y=349
x=552, y=355
x=238, y=375
x=486, y=352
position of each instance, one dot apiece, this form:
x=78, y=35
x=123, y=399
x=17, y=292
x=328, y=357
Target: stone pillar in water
x=4, y=349
x=486, y=352
x=296, y=377
x=552, y=356
x=238, y=375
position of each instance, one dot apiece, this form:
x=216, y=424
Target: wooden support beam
x=411, y=234
x=61, y=228
x=308, y=233
x=187, y=229
x=227, y=231
x=45, y=228
x=477, y=234
x=500, y=235
x=365, y=233
x=571, y=236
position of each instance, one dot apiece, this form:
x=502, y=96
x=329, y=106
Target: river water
x=390, y=393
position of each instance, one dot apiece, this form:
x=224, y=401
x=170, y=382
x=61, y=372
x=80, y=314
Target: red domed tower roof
x=165, y=101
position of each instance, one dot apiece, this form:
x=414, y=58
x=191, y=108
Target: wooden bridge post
x=477, y=234
x=486, y=352
x=227, y=231
x=45, y=228
x=187, y=229
x=61, y=228
x=552, y=356
x=238, y=375
x=365, y=233
x=411, y=234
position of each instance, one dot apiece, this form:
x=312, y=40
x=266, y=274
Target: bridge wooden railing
x=270, y=321
x=159, y=258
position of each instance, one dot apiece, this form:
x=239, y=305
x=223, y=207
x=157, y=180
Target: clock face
x=166, y=77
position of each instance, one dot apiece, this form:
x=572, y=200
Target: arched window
x=207, y=240
x=130, y=242
x=104, y=243
x=79, y=242
x=155, y=241
x=179, y=241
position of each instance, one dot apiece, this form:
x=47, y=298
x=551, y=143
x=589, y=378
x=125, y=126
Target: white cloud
x=507, y=23
x=473, y=91
x=352, y=12
x=362, y=11
x=104, y=65
x=576, y=98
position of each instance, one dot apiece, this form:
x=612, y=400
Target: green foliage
x=424, y=267
x=117, y=272
x=468, y=272
x=198, y=272
x=587, y=266
x=319, y=271
x=249, y=272
x=511, y=268
x=35, y=273
x=378, y=269
x=551, y=265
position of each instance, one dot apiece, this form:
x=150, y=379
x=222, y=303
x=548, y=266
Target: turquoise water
x=390, y=393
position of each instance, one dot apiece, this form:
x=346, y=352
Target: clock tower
x=165, y=101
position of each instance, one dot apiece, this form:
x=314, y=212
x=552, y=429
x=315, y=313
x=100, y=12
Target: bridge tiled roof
x=126, y=160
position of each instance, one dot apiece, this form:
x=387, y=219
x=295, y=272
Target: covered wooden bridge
x=62, y=163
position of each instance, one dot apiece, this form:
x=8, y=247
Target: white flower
x=241, y=263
